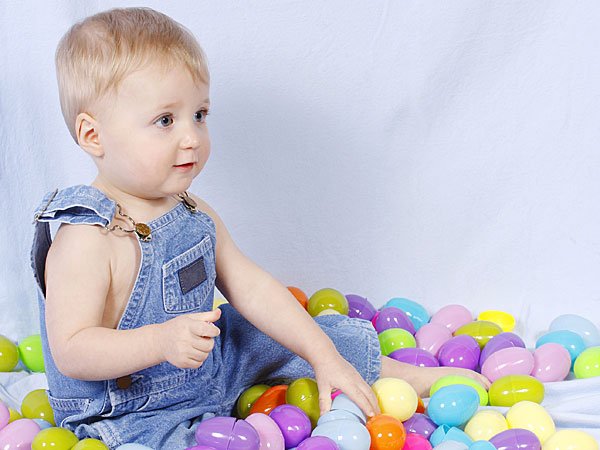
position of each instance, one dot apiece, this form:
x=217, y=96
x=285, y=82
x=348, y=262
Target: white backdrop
x=442, y=151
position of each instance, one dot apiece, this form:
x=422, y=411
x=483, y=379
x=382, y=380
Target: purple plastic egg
x=420, y=424
x=460, y=351
x=516, y=438
x=498, y=342
x=415, y=356
x=293, y=423
x=432, y=336
x=200, y=447
x=452, y=317
x=551, y=362
x=227, y=433
x=508, y=361
x=317, y=443
x=360, y=307
x=392, y=317
x=268, y=431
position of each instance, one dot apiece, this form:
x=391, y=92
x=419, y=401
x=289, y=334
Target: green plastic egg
x=35, y=405
x=327, y=299
x=90, y=444
x=395, y=338
x=247, y=399
x=511, y=389
x=304, y=394
x=30, y=351
x=55, y=438
x=480, y=330
x=587, y=364
x=9, y=355
x=459, y=379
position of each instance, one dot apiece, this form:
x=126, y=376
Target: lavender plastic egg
x=317, y=443
x=271, y=437
x=516, y=438
x=460, y=351
x=432, y=336
x=360, y=307
x=452, y=317
x=293, y=423
x=392, y=317
x=551, y=362
x=227, y=433
x=420, y=424
x=508, y=361
x=502, y=340
x=568, y=339
x=415, y=356
x=18, y=434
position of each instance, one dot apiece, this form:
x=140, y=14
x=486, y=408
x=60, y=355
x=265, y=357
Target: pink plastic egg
x=460, y=351
x=271, y=437
x=432, y=336
x=18, y=434
x=503, y=340
x=508, y=361
x=452, y=317
x=4, y=415
x=551, y=362
x=416, y=442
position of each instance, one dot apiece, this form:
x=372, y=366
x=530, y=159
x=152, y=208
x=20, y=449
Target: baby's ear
x=87, y=134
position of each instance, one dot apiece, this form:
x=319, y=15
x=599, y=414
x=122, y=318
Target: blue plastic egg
x=342, y=401
x=580, y=325
x=568, y=339
x=482, y=445
x=452, y=445
x=453, y=405
x=133, y=447
x=415, y=312
x=347, y=434
x=337, y=414
x=444, y=433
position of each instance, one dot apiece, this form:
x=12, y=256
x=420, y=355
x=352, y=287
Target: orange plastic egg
x=387, y=433
x=420, y=406
x=300, y=295
x=270, y=399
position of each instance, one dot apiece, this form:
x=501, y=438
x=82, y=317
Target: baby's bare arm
x=78, y=278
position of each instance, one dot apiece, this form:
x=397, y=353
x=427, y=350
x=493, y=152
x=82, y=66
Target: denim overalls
x=160, y=406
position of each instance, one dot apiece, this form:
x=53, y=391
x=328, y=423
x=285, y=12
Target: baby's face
x=153, y=132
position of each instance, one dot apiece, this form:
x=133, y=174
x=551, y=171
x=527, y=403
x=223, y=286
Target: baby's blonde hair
x=96, y=54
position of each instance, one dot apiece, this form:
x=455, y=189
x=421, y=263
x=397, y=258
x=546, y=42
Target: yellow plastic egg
x=90, y=444
x=480, y=330
x=218, y=302
x=35, y=405
x=570, y=440
x=503, y=319
x=532, y=417
x=485, y=424
x=396, y=397
x=328, y=312
x=14, y=415
x=511, y=389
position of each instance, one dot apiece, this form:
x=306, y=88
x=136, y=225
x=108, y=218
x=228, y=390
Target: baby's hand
x=186, y=341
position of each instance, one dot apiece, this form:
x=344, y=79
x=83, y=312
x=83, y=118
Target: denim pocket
x=189, y=278
x=68, y=408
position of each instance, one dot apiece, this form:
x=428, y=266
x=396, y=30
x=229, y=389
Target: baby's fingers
x=205, y=329
x=324, y=398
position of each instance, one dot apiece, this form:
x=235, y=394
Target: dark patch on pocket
x=192, y=275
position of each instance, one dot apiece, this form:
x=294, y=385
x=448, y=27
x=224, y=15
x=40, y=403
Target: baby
x=134, y=350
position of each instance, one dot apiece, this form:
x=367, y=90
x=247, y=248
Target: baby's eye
x=200, y=116
x=165, y=121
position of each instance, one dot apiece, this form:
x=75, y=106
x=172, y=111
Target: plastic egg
x=293, y=423
x=338, y=414
x=395, y=397
x=14, y=415
x=43, y=424
x=415, y=312
x=415, y=356
x=395, y=338
x=580, y=325
x=568, y=339
x=218, y=302
x=420, y=424
x=516, y=438
x=317, y=443
x=432, y=336
x=300, y=295
x=227, y=433
x=485, y=424
x=328, y=312
x=392, y=317
x=420, y=405
x=247, y=399
x=498, y=342
x=304, y=394
x=55, y=438
x=18, y=434
x=343, y=402
x=360, y=307
x=35, y=405
x=347, y=434
x=416, y=442
x=452, y=317
x=133, y=446
x=482, y=445
x=512, y=389
x=30, y=352
x=551, y=362
x=453, y=405
x=449, y=380
x=387, y=432
x=571, y=440
x=270, y=399
x=460, y=351
x=445, y=433
x=452, y=445
x=533, y=417
x=508, y=361
x=90, y=444
x=587, y=364
x=9, y=354
x=269, y=433
x=481, y=330
x=503, y=319
x=4, y=415
x=327, y=299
